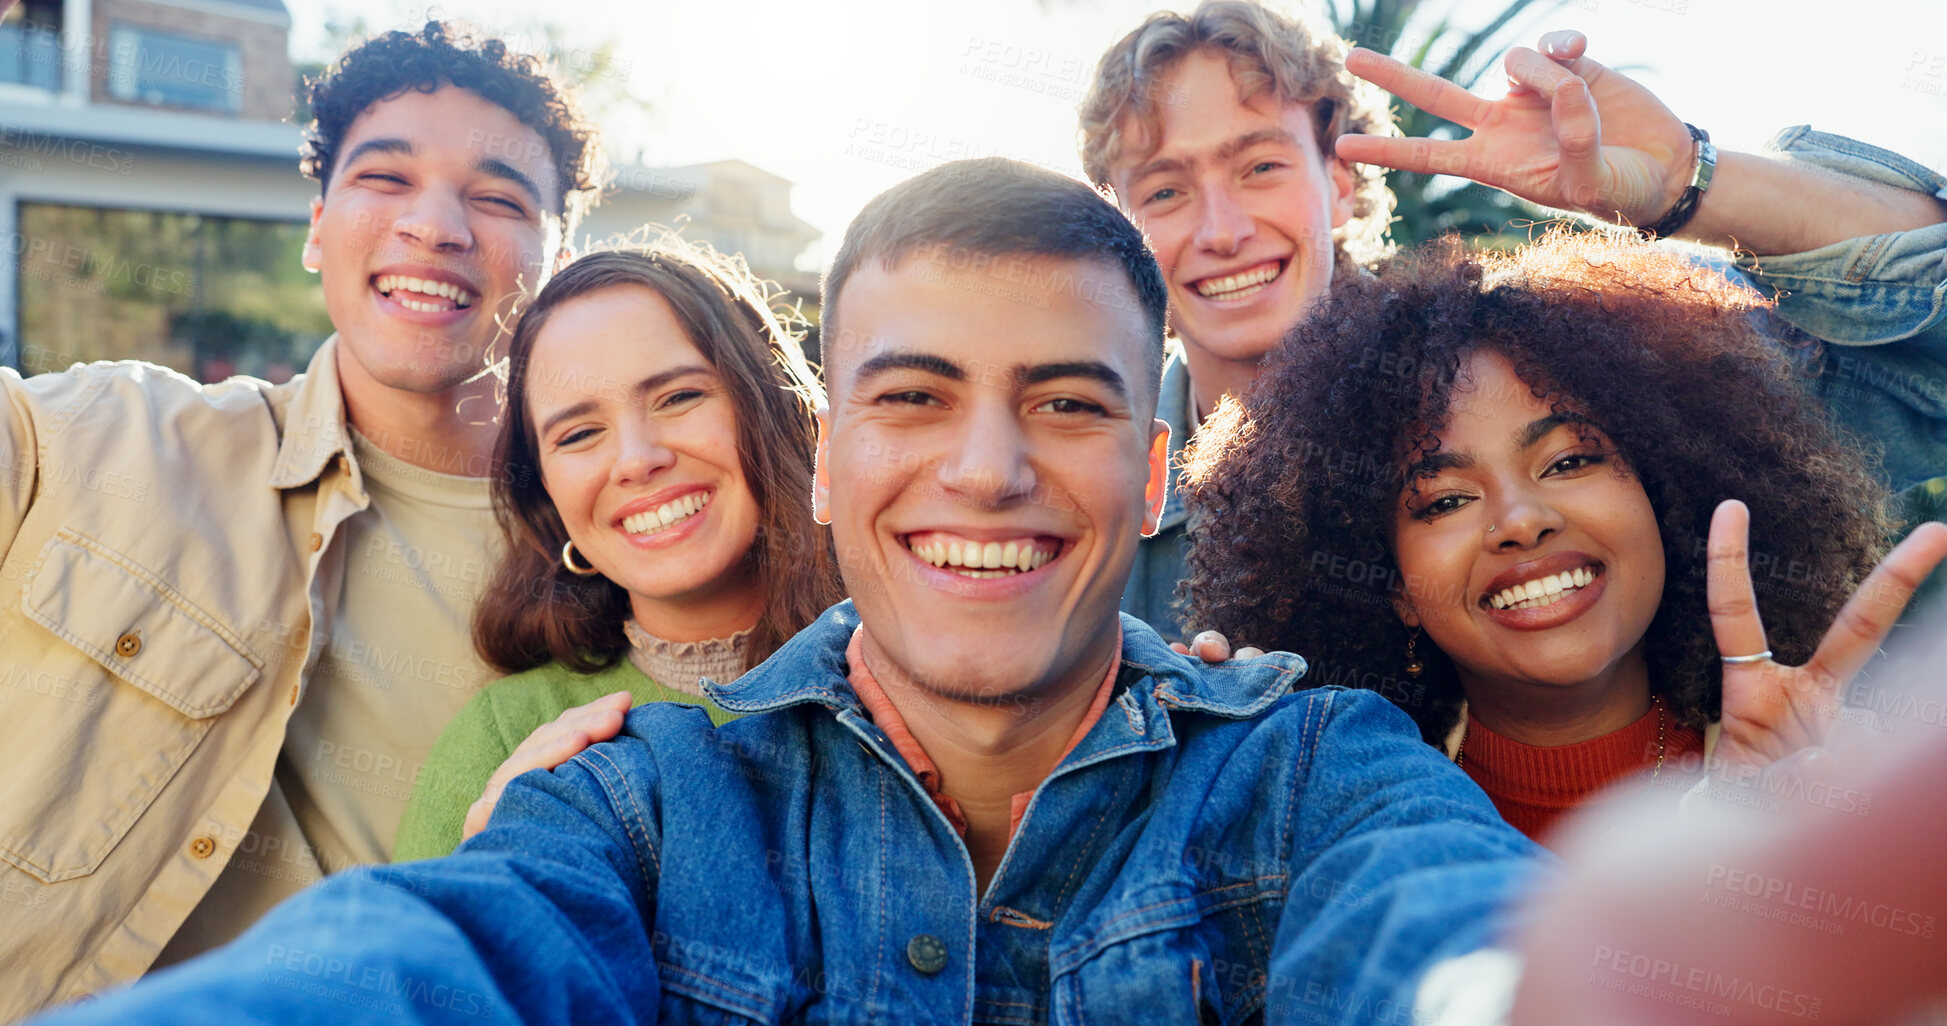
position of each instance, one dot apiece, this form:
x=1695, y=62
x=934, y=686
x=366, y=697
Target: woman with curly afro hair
x=1497, y=489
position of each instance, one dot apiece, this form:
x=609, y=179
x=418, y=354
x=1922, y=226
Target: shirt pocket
x=691, y=998
x=1203, y=958
x=105, y=744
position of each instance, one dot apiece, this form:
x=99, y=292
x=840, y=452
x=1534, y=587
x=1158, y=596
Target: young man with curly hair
x=1244, y=144
x=230, y=666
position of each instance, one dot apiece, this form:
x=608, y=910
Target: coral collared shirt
x=883, y=713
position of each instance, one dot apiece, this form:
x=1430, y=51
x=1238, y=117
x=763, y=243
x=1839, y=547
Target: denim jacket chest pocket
x=139, y=670
x=1193, y=952
x=1187, y=927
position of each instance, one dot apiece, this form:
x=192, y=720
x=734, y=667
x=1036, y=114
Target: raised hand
x=550, y=745
x=1571, y=134
x=1772, y=711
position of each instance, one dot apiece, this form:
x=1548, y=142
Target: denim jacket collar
x=811, y=668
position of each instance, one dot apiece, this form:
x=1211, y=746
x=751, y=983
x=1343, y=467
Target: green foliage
x=1431, y=205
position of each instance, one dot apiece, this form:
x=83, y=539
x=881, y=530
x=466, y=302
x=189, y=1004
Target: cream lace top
x=681, y=665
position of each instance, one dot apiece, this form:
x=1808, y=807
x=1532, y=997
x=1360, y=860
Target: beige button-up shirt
x=167, y=570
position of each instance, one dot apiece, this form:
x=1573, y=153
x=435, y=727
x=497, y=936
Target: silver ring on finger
x=1759, y=658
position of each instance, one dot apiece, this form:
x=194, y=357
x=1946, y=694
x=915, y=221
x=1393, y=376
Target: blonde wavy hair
x=1287, y=54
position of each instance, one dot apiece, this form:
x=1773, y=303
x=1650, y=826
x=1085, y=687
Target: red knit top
x=1532, y=785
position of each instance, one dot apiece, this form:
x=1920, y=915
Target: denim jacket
x=1864, y=319
x=1159, y=558
x=1215, y=849
x=1876, y=310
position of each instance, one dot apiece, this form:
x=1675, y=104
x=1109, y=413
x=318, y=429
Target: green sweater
x=488, y=730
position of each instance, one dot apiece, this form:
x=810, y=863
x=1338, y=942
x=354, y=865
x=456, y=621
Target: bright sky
x=847, y=98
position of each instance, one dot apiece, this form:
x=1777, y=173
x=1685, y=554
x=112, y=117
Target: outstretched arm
x=1401, y=881
x=1574, y=135
x=1788, y=912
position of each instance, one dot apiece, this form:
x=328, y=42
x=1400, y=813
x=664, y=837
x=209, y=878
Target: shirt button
x=202, y=847
x=128, y=645
x=317, y=541
x=927, y=953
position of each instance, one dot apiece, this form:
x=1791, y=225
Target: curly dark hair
x=444, y=53
x=1293, y=490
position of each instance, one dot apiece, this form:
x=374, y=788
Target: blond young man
x=1215, y=131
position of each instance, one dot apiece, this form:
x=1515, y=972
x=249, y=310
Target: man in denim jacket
x=975, y=793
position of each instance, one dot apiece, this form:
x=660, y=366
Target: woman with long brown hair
x=654, y=493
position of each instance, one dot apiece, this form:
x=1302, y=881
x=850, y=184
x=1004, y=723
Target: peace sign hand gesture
x=1570, y=134
x=1772, y=711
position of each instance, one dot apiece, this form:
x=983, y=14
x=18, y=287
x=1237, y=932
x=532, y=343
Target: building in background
x=152, y=208
x=149, y=194
x=734, y=206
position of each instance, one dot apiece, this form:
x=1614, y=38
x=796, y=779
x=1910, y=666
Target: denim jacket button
x=927, y=953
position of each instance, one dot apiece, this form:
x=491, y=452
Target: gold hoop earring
x=1414, y=667
x=568, y=560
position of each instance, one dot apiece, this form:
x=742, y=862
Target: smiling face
x=1239, y=205
x=637, y=442
x=988, y=462
x=436, y=215
x=1532, y=556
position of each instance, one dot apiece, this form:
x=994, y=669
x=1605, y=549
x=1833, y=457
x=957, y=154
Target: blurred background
x=152, y=208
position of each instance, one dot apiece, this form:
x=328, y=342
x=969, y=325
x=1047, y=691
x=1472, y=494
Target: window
x=208, y=296
x=30, y=44
x=147, y=66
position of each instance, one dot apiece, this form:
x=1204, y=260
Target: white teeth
x=1237, y=286
x=393, y=284
x=667, y=515
x=984, y=559
x=1542, y=591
